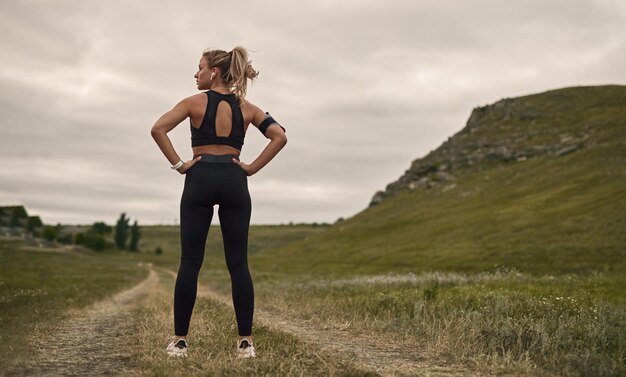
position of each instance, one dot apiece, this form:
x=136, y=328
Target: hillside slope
x=535, y=183
x=512, y=130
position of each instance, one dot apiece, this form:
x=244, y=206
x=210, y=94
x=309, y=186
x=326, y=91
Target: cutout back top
x=207, y=132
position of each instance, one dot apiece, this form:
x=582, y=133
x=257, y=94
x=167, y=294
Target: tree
x=134, y=237
x=121, y=231
x=91, y=240
x=101, y=228
x=50, y=232
x=19, y=213
x=94, y=237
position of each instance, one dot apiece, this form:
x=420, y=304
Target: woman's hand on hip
x=187, y=165
x=245, y=167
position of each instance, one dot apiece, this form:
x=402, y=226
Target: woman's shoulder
x=197, y=96
x=248, y=106
x=246, y=102
x=195, y=99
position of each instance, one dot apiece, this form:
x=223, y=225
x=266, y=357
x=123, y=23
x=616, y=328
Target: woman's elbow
x=155, y=131
x=281, y=139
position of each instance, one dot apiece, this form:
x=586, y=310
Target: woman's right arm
x=165, y=124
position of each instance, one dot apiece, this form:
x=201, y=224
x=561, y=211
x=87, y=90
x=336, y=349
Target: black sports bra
x=206, y=133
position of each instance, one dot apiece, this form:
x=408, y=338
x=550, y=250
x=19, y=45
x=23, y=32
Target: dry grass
x=212, y=344
x=506, y=322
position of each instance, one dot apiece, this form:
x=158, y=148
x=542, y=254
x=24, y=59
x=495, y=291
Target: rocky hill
x=509, y=131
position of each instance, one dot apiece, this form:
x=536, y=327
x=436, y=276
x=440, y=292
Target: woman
x=219, y=118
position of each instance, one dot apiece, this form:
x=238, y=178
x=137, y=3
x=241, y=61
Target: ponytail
x=240, y=71
x=235, y=67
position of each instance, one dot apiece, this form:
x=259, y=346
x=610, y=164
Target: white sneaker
x=177, y=349
x=245, y=348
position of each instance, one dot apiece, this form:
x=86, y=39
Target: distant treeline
x=15, y=221
x=125, y=237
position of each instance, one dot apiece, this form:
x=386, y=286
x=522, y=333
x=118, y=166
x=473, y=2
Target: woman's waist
x=217, y=149
x=216, y=158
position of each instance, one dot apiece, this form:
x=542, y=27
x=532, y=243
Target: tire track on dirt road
x=386, y=359
x=92, y=340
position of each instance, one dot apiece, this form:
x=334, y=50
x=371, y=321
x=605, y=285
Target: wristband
x=179, y=164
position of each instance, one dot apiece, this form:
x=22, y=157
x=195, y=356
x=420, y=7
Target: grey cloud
x=361, y=93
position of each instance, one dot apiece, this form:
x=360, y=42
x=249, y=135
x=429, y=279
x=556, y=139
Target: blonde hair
x=235, y=68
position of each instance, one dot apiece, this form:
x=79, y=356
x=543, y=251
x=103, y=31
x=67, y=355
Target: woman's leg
x=195, y=220
x=234, y=213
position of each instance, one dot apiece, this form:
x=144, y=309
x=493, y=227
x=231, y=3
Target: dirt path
x=88, y=342
x=386, y=359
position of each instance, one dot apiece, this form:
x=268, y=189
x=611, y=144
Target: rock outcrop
x=510, y=130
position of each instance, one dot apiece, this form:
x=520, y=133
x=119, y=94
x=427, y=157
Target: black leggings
x=208, y=184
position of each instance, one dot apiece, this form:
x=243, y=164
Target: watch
x=179, y=164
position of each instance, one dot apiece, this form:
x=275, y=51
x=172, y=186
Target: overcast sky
x=362, y=87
